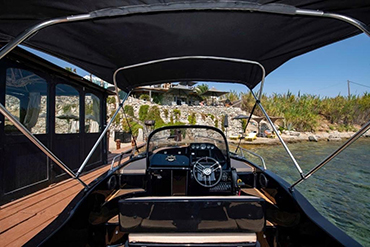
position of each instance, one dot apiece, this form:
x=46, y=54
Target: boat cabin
x=63, y=110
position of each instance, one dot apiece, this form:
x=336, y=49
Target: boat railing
x=120, y=156
x=242, y=152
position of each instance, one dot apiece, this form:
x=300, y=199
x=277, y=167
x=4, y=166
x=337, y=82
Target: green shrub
x=155, y=114
x=129, y=110
x=143, y=112
x=117, y=119
x=177, y=114
x=192, y=118
x=223, y=123
x=165, y=111
x=135, y=126
x=111, y=100
x=158, y=98
x=145, y=97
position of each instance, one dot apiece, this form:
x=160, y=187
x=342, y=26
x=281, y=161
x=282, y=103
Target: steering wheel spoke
x=207, y=175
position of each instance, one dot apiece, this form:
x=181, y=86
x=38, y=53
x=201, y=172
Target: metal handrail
x=252, y=153
x=114, y=160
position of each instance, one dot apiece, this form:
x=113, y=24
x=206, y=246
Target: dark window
x=26, y=99
x=92, y=113
x=67, y=109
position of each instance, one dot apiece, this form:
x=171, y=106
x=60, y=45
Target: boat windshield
x=195, y=136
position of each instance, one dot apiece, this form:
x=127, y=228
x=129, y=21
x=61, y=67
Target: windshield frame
x=188, y=127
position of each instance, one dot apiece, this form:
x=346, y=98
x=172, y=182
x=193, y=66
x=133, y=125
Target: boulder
x=334, y=137
x=313, y=138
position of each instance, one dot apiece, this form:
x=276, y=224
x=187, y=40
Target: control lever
x=240, y=183
x=234, y=180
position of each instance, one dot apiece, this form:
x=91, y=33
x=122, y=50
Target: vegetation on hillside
x=129, y=110
x=306, y=112
x=301, y=113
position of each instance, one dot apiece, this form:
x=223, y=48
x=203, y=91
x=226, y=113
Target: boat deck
x=22, y=219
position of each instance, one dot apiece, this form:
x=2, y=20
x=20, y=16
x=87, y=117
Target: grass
x=306, y=112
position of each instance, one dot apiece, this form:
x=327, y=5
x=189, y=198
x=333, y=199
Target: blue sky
x=322, y=72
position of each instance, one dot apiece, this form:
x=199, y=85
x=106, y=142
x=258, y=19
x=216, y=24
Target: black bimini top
x=269, y=32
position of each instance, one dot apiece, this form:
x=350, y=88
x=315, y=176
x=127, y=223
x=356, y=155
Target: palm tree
x=201, y=89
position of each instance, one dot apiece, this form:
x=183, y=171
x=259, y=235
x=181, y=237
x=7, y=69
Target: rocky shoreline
x=294, y=137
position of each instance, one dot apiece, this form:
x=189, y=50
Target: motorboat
x=189, y=187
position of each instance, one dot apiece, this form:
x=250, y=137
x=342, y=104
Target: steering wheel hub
x=207, y=172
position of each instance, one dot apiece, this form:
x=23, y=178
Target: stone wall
x=205, y=115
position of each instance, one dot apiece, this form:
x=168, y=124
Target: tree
x=201, y=89
x=232, y=96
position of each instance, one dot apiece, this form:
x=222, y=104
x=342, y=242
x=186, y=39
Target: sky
x=322, y=72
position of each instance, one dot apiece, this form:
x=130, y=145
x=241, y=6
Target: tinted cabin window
x=26, y=99
x=67, y=109
x=92, y=113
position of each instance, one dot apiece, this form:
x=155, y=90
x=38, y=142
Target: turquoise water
x=340, y=191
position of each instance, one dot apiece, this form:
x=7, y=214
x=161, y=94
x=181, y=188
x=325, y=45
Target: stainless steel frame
x=278, y=135
x=242, y=150
x=93, y=15
x=236, y=60
x=100, y=137
x=316, y=13
x=365, y=128
x=114, y=160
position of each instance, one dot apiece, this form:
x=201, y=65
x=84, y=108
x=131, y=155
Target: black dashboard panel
x=185, y=156
x=172, y=170
x=168, y=160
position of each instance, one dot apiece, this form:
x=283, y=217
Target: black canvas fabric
x=139, y=31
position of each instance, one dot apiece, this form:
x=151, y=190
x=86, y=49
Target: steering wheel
x=207, y=172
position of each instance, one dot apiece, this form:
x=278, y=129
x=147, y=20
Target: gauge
x=203, y=146
x=212, y=147
x=197, y=146
x=208, y=146
x=193, y=146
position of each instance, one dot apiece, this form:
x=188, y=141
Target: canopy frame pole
x=34, y=29
x=236, y=60
x=351, y=140
x=354, y=22
x=39, y=144
x=84, y=163
x=279, y=136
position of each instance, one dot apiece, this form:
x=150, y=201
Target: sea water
x=340, y=191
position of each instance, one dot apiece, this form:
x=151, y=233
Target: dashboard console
x=199, y=168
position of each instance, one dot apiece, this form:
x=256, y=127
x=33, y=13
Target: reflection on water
x=339, y=191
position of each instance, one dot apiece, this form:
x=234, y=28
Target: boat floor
x=22, y=219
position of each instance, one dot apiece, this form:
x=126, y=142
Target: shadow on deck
x=22, y=219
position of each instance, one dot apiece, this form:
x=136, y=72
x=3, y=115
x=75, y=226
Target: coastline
x=294, y=137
